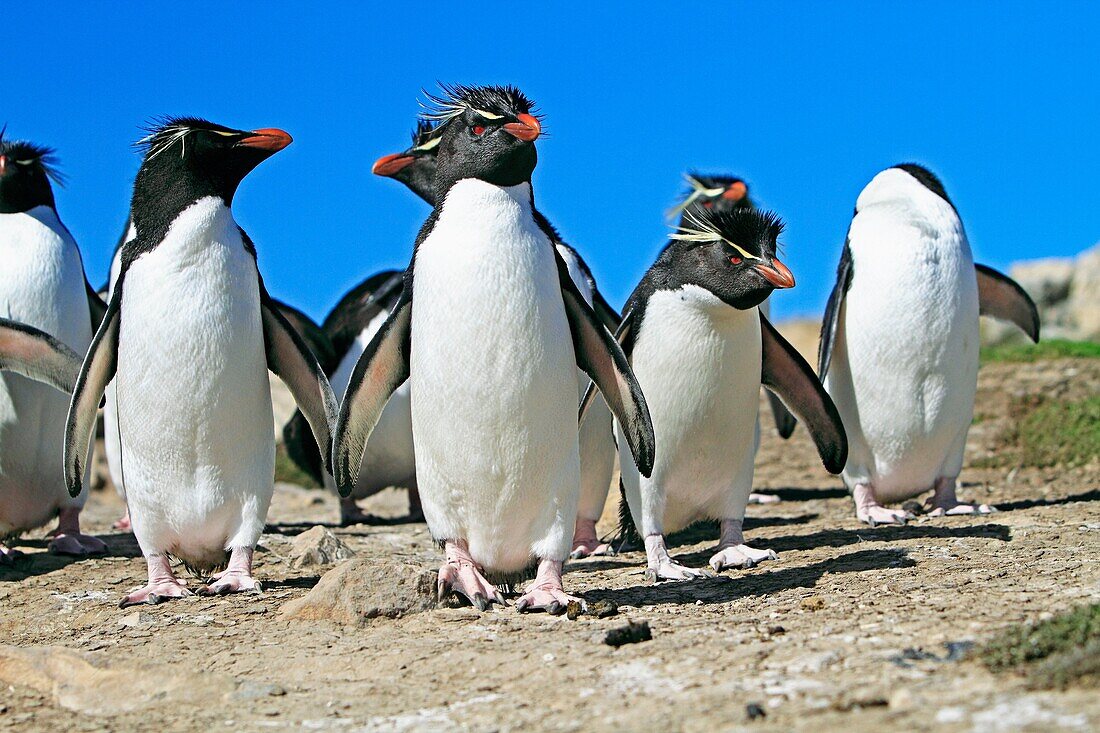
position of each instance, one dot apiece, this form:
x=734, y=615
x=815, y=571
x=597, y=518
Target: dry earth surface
x=852, y=628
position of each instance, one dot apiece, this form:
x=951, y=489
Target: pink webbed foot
x=123, y=523
x=585, y=541
x=163, y=585
x=461, y=575
x=732, y=552
x=943, y=502
x=755, y=498
x=546, y=592
x=870, y=511
x=8, y=555
x=236, y=578
x=660, y=565
x=69, y=540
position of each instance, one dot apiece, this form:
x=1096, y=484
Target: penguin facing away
x=415, y=167
x=489, y=330
x=189, y=334
x=42, y=284
x=899, y=343
x=701, y=351
x=727, y=193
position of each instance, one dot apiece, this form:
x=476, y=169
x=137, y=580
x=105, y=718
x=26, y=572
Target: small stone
x=355, y=592
x=813, y=603
x=632, y=633
x=603, y=609
x=901, y=700
x=574, y=610
x=755, y=711
x=776, y=630
x=913, y=507
x=136, y=619
x=318, y=546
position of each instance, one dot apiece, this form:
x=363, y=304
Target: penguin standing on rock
x=899, y=343
x=701, y=351
x=416, y=168
x=489, y=331
x=42, y=284
x=189, y=334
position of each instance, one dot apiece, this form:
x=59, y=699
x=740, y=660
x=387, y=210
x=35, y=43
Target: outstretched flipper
x=98, y=370
x=381, y=369
x=289, y=358
x=37, y=355
x=602, y=359
x=831, y=323
x=311, y=333
x=787, y=374
x=1002, y=297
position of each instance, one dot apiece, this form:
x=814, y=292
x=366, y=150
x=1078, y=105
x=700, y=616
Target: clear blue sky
x=806, y=101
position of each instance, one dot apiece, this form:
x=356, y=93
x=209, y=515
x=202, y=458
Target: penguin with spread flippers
x=42, y=284
x=899, y=343
x=489, y=330
x=188, y=337
x=701, y=351
x=415, y=167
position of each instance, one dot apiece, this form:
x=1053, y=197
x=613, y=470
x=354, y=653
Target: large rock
x=354, y=592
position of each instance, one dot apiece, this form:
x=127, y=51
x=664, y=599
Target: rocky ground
x=852, y=628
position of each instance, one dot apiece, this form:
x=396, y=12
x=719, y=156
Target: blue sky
x=806, y=101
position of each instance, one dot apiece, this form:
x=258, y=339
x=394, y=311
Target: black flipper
x=37, y=355
x=786, y=373
x=624, y=335
x=289, y=358
x=785, y=422
x=96, y=373
x=96, y=307
x=831, y=323
x=311, y=333
x=601, y=357
x=381, y=369
x=1001, y=297
x=608, y=316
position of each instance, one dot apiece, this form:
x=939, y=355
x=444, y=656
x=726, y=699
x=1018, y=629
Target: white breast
x=904, y=371
x=698, y=363
x=193, y=395
x=493, y=381
x=41, y=284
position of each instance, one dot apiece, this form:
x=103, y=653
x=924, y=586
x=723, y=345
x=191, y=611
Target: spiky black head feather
x=456, y=99
x=709, y=191
x=26, y=170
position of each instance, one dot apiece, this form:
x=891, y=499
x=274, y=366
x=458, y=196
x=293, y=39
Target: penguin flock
x=490, y=379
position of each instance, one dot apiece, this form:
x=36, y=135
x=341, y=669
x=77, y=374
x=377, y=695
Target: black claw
x=480, y=602
x=223, y=590
x=522, y=604
x=154, y=599
x=555, y=609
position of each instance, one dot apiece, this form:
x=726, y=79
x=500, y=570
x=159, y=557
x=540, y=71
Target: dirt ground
x=852, y=628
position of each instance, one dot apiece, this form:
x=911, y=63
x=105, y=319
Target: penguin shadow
x=1012, y=506
x=304, y=582
x=892, y=533
x=121, y=545
x=293, y=529
x=725, y=588
x=794, y=494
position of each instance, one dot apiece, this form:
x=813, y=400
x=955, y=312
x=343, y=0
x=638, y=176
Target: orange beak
x=735, y=192
x=269, y=138
x=389, y=165
x=527, y=129
x=777, y=274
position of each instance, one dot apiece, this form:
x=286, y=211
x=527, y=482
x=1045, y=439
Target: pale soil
x=846, y=631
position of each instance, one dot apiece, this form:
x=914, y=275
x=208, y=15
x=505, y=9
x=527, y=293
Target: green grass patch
x=1054, y=432
x=1052, y=654
x=287, y=471
x=1049, y=349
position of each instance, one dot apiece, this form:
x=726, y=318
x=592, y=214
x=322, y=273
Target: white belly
x=904, y=371
x=194, y=401
x=389, y=459
x=698, y=363
x=41, y=284
x=493, y=382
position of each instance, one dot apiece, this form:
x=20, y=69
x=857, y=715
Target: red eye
x=735, y=260
x=708, y=204
x=478, y=129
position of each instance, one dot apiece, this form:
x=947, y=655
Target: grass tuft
x=1056, y=653
x=1054, y=432
x=1049, y=349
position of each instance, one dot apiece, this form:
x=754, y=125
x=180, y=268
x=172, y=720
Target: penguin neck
x=474, y=192
x=420, y=179
x=699, y=299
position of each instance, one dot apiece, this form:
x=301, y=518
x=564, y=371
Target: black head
x=187, y=158
x=713, y=193
x=25, y=173
x=487, y=133
x=926, y=178
x=730, y=253
x=415, y=166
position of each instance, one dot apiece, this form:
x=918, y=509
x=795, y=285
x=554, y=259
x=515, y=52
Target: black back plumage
x=28, y=169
